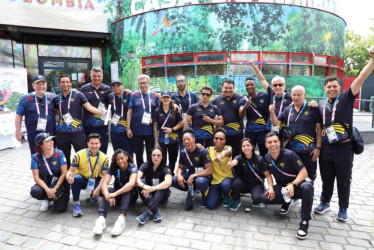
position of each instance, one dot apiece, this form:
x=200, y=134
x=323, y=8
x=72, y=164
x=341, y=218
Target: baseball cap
x=116, y=81
x=42, y=137
x=165, y=93
x=39, y=78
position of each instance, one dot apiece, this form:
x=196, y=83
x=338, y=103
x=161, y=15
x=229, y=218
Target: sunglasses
x=116, y=85
x=278, y=85
x=205, y=94
x=219, y=138
x=156, y=155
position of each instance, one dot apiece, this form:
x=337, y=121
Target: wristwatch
x=294, y=185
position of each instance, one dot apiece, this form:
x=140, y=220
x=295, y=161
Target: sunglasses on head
x=219, y=138
x=278, y=85
x=205, y=94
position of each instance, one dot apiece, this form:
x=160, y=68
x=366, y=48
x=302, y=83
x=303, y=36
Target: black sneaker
x=189, y=201
x=302, y=233
x=285, y=208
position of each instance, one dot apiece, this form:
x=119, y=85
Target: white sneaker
x=100, y=225
x=44, y=206
x=118, y=226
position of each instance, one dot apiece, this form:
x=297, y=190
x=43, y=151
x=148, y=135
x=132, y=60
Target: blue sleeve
x=143, y=167
x=296, y=162
x=191, y=110
x=133, y=169
x=75, y=161
x=155, y=115
x=178, y=117
x=317, y=115
x=166, y=170
x=21, y=106
x=217, y=110
x=82, y=98
x=131, y=101
x=105, y=164
x=62, y=158
x=282, y=117
x=206, y=156
x=242, y=102
x=195, y=99
x=264, y=165
x=34, y=162
x=238, y=158
x=182, y=158
x=214, y=101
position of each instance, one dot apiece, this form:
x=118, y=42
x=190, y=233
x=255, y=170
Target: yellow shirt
x=220, y=170
x=80, y=162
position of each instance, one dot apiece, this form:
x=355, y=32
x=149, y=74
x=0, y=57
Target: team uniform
x=49, y=169
x=232, y=122
x=153, y=178
x=249, y=178
x=87, y=169
x=222, y=178
x=121, y=178
x=280, y=104
x=284, y=170
x=118, y=129
x=170, y=149
x=203, y=130
x=336, y=158
x=257, y=115
x=99, y=98
x=303, y=140
x=39, y=116
x=70, y=130
x=142, y=129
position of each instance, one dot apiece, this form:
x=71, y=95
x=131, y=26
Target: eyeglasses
x=278, y=85
x=180, y=81
x=205, y=94
x=219, y=138
x=142, y=83
x=156, y=155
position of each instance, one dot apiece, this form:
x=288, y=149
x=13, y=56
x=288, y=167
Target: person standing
x=100, y=96
x=336, y=158
x=38, y=109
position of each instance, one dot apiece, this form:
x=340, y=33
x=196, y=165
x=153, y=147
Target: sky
x=358, y=14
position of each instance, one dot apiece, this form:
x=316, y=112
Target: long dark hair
x=243, y=158
x=147, y=174
x=113, y=164
x=171, y=106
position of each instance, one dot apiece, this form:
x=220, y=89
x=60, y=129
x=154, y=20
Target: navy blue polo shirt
x=244, y=172
x=76, y=102
x=230, y=113
x=203, y=130
x=199, y=157
x=105, y=94
x=184, y=101
x=121, y=126
x=124, y=176
x=136, y=104
x=288, y=162
x=149, y=173
x=27, y=107
x=160, y=116
x=255, y=123
x=343, y=114
x=287, y=100
x=55, y=162
x=305, y=128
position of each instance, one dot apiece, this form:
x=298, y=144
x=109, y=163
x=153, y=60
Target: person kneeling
x=123, y=193
x=154, y=180
x=290, y=174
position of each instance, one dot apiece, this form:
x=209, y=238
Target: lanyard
x=189, y=98
x=37, y=106
x=166, y=120
x=97, y=96
x=290, y=175
x=114, y=105
x=298, y=115
x=258, y=113
x=89, y=163
x=149, y=102
x=47, y=165
x=119, y=177
x=188, y=157
x=71, y=91
x=281, y=107
x=254, y=172
x=333, y=111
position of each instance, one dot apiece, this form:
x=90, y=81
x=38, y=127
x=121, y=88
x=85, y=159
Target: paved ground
x=23, y=226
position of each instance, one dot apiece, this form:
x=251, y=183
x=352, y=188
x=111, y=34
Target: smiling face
x=228, y=90
x=94, y=145
x=97, y=78
x=298, y=96
x=250, y=86
x=143, y=85
x=332, y=89
x=272, y=143
x=156, y=156
x=40, y=88
x=165, y=100
x=121, y=160
x=65, y=84
x=247, y=147
x=278, y=87
x=205, y=95
x=117, y=88
x=219, y=140
x=181, y=83
x=47, y=145
x=188, y=141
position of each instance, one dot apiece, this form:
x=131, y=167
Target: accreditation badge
x=275, y=129
x=146, y=120
x=155, y=182
x=331, y=134
x=68, y=119
x=90, y=185
x=115, y=119
x=42, y=124
x=198, y=170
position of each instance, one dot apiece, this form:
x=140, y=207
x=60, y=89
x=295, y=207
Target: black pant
x=60, y=205
x=124, y=201
x=336, y=161
x=138, y=145
x=256, y=189
x=234, y=142
x=103, y=131
x=171, y=151
x=155, y=198
x=311, y=166
x=304, y=192
x=65, y=140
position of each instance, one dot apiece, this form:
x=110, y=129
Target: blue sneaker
x=142, y=219
x=226, y=201
x=157, y=215
x=77, y=212
x=342, y=215
x=235, y=205
x=322, y=208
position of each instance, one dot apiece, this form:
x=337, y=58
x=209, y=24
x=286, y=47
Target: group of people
x=216, y=151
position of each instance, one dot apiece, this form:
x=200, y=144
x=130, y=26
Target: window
x=211, y=57
x=321, y=60
x=64, y=51
x=217, y=69
x=153, y=61
x=300, y=58
x=300, y=70
x=6, y=55
x=333, y=72
x=244, y=56
x=180, y=59
x=334, y=61
x=240, y=69
x=154, y=72
x=274, y=57
x=274, y=69
x=185, y=70
x=320, y=71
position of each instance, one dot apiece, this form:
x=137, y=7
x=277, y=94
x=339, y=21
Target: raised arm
x=359, y=81
x=259, y=75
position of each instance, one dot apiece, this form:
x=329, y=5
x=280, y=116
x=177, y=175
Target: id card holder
x=275, y=129
x=42, y=124
x=331, y=134
x=184, y=116
x=68, y=119
x=155, y=182
x=115, y=119
x=146, y=120
x=102, y=109
x=198, y=170
x=90, y=185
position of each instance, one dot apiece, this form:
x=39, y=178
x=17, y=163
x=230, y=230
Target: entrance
x=52, y=68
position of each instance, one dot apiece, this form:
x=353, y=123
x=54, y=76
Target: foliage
x=12, y=102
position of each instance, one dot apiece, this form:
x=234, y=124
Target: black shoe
x=285, y=208
x=302, y=233
x=189, y=202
